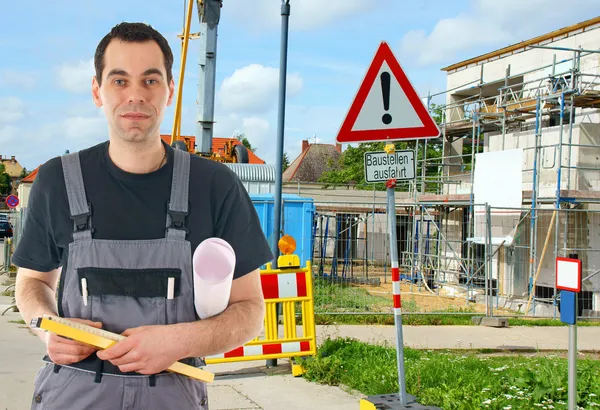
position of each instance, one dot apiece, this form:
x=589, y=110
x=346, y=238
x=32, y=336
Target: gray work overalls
x=127, y=283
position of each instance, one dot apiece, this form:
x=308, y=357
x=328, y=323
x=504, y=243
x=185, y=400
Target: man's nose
x=137, y=94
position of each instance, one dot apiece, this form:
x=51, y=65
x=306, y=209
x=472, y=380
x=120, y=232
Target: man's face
x=134, y=91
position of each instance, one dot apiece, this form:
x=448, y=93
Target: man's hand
x=146, y=350
x=65, y=351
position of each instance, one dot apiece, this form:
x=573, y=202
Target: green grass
x=455, y=381
x=550, y=322
x=19, y=322
x=339, y=298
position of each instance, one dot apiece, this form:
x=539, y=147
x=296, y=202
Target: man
x=120, y=220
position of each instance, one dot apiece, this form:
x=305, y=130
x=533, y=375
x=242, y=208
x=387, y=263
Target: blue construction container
x=297, y=214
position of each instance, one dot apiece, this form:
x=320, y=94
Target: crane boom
x=209, y=14
x=178, y=102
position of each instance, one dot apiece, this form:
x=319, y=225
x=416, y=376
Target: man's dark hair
x=133, y=32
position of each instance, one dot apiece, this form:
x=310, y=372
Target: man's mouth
x=135, y=116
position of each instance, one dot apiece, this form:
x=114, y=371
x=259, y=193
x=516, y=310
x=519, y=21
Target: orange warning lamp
x=287, y=245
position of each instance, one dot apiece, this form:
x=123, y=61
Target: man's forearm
x=238, y=324
x=35, y=298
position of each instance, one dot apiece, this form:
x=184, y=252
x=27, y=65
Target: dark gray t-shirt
x=129, y=206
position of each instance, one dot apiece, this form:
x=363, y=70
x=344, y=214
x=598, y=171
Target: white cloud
x=48, y=140
x=254, y=89
x=304, y=14
x=76, y=77
x=261, y=135
x=88, y=130
x=258, y=130
x=12, y=109
x=13, y=78
x=247, y=103
x=491, y=24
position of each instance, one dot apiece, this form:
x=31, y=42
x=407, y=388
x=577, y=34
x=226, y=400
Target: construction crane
x=209, y=14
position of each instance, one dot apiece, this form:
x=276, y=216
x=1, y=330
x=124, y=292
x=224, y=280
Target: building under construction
x=518, y=183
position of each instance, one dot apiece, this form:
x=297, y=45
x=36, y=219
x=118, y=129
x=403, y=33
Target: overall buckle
x=177, y=219
x=82, y=221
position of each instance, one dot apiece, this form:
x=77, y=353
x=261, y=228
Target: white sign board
x=568, y=274
x=498, y=181
x=381, y=166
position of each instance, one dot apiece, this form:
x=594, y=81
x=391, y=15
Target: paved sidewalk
x=237, y=386
x=470, y=337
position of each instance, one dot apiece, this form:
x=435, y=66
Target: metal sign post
x=391, y=212
x=573, y=364
x=568, y=280
x=390, y=165
x=277, y=198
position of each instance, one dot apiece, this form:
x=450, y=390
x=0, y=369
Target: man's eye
x=119, y=82
x=151, y=81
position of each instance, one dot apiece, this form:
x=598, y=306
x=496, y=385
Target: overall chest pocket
x=126, y=298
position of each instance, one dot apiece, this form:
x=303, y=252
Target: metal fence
x=458, y=259
x=454, y=258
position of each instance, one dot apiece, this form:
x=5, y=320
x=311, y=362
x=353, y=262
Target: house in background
x=13, y=169
x=312, y=162
x=24, y=188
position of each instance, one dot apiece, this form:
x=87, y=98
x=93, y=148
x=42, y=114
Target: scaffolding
x=478, y=112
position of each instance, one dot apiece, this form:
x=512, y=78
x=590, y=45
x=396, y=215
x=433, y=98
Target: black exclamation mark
x=385, y=89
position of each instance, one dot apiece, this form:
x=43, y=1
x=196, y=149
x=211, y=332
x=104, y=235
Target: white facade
x=569, y=155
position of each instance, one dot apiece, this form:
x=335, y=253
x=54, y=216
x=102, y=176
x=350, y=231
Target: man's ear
x=96, y=92
x=171, y=92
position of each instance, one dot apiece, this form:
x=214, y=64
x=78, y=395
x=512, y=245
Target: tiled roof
x=311, y=163
x=31, y=177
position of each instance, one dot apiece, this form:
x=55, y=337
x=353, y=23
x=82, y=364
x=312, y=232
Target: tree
x=24, y=173
x=285, y=163
x=350, y=169
x=242, y=138
x=247, y=144
x=5, y=181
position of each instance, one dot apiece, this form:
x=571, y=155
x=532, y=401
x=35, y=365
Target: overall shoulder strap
x=79, y=207
x=178, y=203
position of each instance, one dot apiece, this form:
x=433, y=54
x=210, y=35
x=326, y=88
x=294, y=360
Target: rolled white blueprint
x=214, y=263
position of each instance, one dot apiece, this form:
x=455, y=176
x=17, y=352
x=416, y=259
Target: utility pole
x=209, y=14
x=277, y=199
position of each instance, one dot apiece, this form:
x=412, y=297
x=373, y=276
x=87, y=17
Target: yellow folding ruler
x=104, y=339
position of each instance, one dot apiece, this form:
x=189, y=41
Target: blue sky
x=47, y=50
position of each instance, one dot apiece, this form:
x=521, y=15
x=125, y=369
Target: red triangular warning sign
x=386, y=106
